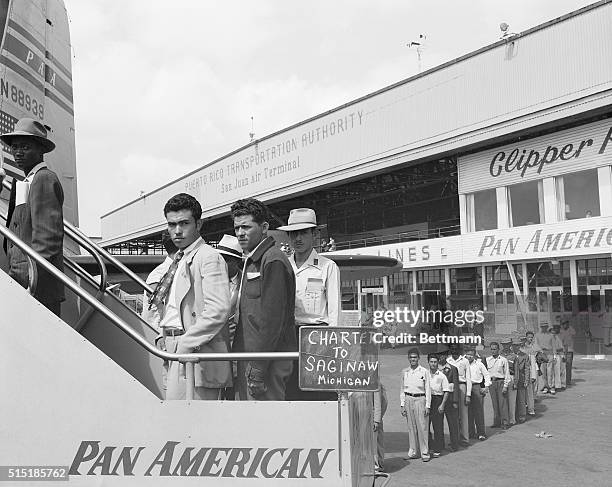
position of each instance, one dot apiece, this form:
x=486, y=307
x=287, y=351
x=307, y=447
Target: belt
x=414, y=395
x=173, y=332
x=497, y=378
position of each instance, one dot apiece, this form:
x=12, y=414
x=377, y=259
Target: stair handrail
x=85, y=243
x=108, y=256
x=189, y=359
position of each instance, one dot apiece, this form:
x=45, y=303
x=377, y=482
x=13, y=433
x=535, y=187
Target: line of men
x=454, y=387
x=245, y=296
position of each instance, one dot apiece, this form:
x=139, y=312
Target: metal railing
x=188, y=359
x=448, y=231
x=32, y=270
x=97, y=253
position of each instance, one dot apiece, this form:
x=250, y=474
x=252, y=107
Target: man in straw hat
x=35, y=211
x=317, y=288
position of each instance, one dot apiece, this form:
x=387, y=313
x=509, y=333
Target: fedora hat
x=299, y=219
x=28, y=127
x=229, y=245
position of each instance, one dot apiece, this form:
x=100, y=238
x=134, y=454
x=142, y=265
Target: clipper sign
x=585, y=147
x=176, y=459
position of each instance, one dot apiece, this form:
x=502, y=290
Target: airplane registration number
x=22, y=99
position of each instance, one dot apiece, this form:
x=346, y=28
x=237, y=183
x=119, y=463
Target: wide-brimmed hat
x=229, y=245
x=506, y=341
x=299, y=219
x=30, y=128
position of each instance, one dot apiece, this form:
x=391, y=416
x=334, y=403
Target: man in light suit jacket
x=35, y=211
x=193, y=301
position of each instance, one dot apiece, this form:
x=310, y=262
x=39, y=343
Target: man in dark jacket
x=266, y=306
x=35, y=211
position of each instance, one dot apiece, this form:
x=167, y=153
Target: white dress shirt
x=463, y=367
x=438, y=383
x=499, y=368
x=478, y=371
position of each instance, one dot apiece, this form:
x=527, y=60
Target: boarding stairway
x=84, y=393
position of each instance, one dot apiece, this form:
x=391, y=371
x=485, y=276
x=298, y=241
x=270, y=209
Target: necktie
x=163, y=286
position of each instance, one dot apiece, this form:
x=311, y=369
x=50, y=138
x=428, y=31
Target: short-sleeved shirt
x=438, y=383
x=415, y=381
x=317, y=288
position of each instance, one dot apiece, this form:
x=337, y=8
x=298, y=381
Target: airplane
x=36, y=82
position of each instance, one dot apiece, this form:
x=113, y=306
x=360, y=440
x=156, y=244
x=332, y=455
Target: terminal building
x=489, y=177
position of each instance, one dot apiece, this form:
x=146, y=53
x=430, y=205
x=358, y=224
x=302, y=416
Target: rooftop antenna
x=252, y=132
x=419, y=45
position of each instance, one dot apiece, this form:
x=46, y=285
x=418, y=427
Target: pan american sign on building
x=568, y=239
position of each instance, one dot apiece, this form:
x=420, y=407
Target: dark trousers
x=476, y=412
x=452, y=419
x=499, y=402
x=569, y=359
x=276, y=379
x=436, y=420
x=294, y=393
x=521, y=403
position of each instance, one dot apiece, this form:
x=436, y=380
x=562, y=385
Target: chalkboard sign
x=334, y=358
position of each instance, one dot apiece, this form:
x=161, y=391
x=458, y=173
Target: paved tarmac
x=578, y=453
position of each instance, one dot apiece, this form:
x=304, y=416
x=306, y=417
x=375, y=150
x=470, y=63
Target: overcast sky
x=161, y=88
